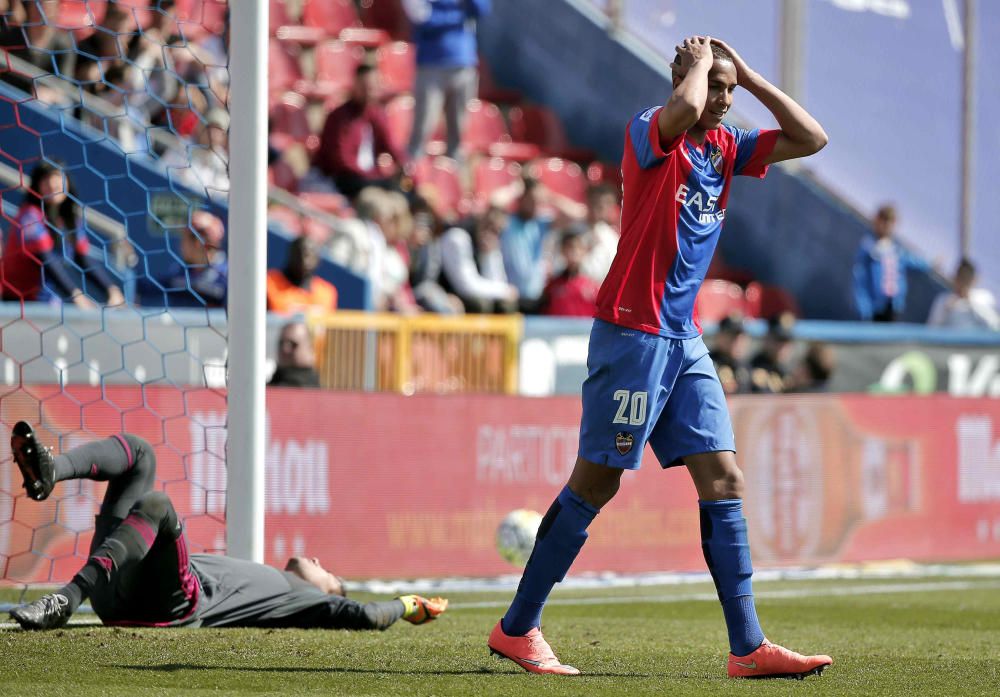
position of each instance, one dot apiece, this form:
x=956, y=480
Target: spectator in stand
x=880, y=270
x=108, y=45
x=965, y=306
x=297, y=288
x=768, y=369
x=46, y=226
x=523, y=244
x=602, y=232
x=296, y=358
x=27, y=31
x=447, y=66
x=204, y=166
x=397, y=226
x=572, y=293
x=426, y=263
x=129, y=127
x=475, y=271
x=157, y=81
x=813, y=372
x=354, y=135
x=729, y=355
x=201, y=278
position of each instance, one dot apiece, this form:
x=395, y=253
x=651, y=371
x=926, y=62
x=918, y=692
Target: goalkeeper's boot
x=420, y=610
x=773, y=661
x=530, y=651
x=34, y=460
x=48, y=612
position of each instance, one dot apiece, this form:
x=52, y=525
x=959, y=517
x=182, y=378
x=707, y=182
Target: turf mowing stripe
x=813, y=592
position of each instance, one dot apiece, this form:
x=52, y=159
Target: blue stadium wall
x=126, y=189
x=786, y=230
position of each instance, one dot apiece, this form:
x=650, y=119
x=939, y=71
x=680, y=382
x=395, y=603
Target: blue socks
x=727, y=553
x=561, y=535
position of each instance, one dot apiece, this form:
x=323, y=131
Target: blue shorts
x=644, y=388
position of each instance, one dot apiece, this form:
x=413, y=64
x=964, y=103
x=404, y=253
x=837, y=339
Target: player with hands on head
x=651, y=379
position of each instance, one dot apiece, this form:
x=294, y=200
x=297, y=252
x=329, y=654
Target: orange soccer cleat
x=419, y=609
x=530, y=651
x=773, y=661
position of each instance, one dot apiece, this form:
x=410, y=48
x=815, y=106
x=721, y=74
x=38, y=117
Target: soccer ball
x=516, y=535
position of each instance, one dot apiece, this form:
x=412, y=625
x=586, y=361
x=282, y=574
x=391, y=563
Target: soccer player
x=650, y=375
x=139, y=572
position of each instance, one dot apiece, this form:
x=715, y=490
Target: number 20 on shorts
x=632, y=402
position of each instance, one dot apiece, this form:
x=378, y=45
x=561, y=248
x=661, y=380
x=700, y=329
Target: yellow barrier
x=421, y=353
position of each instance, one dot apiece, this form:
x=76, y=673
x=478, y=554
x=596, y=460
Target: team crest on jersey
x=716, y=158
x=623, y=441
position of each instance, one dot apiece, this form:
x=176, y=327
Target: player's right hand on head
x=694, y=49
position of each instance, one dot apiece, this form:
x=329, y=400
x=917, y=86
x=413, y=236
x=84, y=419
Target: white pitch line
x=877, y=589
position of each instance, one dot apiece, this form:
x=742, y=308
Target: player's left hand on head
x=742, y=69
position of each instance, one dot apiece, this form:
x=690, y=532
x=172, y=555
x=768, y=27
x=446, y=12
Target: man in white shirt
x=476, y=273
x=965, y=307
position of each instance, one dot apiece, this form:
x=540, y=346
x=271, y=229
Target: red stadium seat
x=277, y=15
x=335, y=66
x=290, y=123
x=284, y=28
x=202, y=16
x=364, y=37
x=283, y=69
x=561, y=176
x=399, y=114
x=440, y=175
x=541, y=126
x=387, y=15
x=609, y=173
x=397, y=64
x=717, y=299
x=769, y=301
x=332, y=16
x=484, y=126
x=492, y=174
x=79, y=14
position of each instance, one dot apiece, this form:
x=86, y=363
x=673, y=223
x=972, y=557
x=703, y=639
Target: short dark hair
x=718, y=53
x=886, y=211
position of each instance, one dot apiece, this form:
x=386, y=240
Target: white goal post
x=247, y=249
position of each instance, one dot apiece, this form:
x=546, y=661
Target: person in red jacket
x=572, y=293
x=46, y=234
x=354, y=135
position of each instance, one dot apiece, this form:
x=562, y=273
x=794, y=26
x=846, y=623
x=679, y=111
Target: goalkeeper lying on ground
x=139, y=572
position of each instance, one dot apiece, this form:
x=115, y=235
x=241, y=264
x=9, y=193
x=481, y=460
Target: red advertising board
x=383, y=485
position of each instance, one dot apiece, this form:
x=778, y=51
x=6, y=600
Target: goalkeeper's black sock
x=82, y=584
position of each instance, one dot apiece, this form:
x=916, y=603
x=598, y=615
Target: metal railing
x=418, y=354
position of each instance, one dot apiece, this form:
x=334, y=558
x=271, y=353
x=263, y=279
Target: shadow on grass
x=175, y=667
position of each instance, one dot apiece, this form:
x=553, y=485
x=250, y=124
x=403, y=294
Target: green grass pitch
x=887, y=637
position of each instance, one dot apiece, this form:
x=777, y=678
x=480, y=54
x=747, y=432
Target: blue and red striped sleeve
x=35, y=237
x=645, y=136
x=752, y=148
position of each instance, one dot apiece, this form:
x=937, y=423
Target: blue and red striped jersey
x=674, y=202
